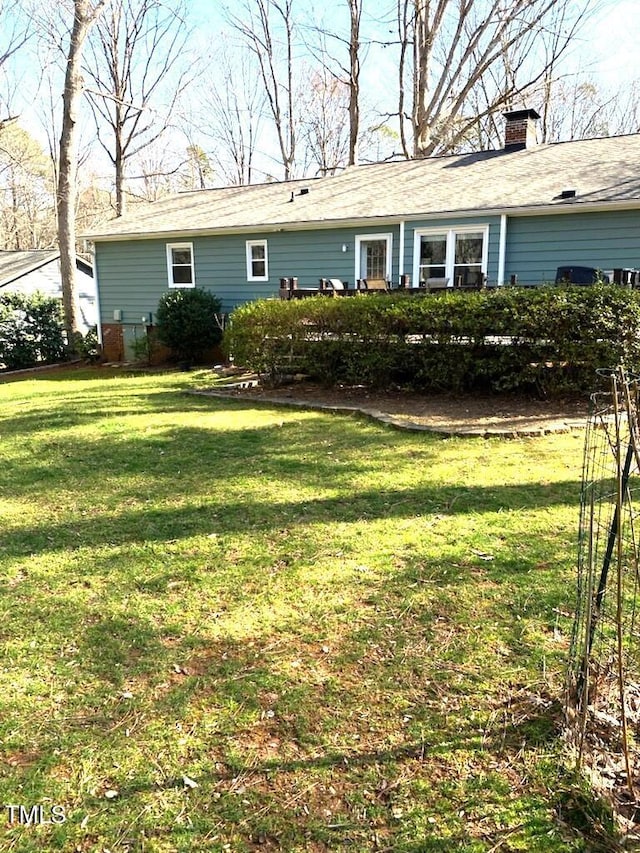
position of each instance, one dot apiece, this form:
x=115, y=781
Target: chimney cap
x=519, y=115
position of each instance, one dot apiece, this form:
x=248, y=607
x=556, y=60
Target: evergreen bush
x=188, y=322
x=31, y=330
x=549, y=339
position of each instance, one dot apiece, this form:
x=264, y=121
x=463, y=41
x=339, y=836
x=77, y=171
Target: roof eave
x=310, y=225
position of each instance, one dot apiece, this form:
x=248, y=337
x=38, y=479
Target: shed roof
x=603, y=172
x=16, y=264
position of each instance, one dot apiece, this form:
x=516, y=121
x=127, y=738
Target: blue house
x=522, y=211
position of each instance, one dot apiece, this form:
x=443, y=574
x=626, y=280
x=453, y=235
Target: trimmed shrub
x=549, y=339
x=188, y=322
x=31, y=330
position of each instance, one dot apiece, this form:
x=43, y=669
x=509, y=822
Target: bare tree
x=95, y=204
x=626, y=109
x=472, y=58
x=153, y=173
x=14, y=34
x=15, y=31
x=579, y=107
x=325, y=130
x=85, y=14
x=404, y=23
x=272, y=42
x=232, y=112
x=327, y=45
x=134, y=50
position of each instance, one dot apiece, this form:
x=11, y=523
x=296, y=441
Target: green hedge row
x=549, y=339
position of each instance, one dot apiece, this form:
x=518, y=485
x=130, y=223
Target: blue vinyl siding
x=133, y=273
x=538, y=245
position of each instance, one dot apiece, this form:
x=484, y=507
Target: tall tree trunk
x=355, y=8
x=405, y=30
x=121, y=200
x=427, y=21
x=84, y=16
x=290, y=160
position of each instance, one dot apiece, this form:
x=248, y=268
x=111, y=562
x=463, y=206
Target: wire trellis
x=603, y=697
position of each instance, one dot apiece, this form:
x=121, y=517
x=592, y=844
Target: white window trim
x=450, y=234
x=176, y=284
x=363, y=238
x=249, y=246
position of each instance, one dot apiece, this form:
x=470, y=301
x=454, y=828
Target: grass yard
x=228, y=627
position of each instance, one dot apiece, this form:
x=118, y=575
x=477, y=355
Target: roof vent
x=568, y=194
x=304, y=191
x=520, y=130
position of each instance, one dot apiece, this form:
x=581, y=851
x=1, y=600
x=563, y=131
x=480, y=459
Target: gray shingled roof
x=601, y=171
x=14, y=265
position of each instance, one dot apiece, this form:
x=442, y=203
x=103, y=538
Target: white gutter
x=502, y=253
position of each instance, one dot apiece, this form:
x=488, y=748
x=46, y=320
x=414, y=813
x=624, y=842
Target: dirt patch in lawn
x=505, y=415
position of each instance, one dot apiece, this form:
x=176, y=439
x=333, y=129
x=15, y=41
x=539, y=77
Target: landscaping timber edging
x=404, y=423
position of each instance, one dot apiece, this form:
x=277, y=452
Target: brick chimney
x=520, y=129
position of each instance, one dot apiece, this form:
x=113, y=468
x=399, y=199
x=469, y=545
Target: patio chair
x=375, y=284
x=437, y=284
x=471, y=280
x=577, y=275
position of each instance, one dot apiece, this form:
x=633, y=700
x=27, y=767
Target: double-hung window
x=180, y=265
x=456, y=254
x=433, y=256
x=468, y=257
x=257, y=260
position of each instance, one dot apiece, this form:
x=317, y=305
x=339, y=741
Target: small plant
x=144, y=347
x=188, y=322
x=87, y=346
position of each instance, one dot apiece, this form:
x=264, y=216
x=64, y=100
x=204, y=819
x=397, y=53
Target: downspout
x=95, y=281
x=401, y=253
x=502, y=252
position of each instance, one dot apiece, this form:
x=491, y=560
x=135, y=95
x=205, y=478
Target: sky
x=608, y=45
x=612, y=39
x=607, y=49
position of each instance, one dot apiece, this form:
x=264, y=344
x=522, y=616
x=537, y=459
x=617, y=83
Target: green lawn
x=229, y=627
